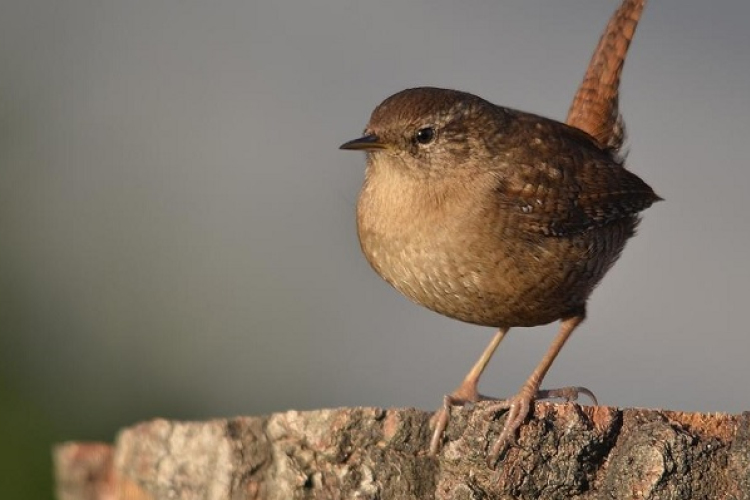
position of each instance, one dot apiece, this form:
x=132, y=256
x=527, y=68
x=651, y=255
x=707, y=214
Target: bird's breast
x=420, y=235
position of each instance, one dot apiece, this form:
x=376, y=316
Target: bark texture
x=564, y=451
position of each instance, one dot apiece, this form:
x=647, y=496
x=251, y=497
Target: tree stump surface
x=564, y=451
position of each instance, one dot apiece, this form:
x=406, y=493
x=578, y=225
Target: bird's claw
x=569, y=394
x=442, y=417
x=518, y=408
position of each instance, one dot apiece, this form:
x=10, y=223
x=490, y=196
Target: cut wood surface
x=564, y=451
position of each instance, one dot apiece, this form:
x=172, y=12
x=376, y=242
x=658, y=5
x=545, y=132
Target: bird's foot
x=465, y=395
x=519, y=408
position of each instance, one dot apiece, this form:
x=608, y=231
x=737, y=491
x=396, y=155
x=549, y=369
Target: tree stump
x=564, y=451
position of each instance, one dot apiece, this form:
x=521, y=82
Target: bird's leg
x=466, y=392
x=519, y=405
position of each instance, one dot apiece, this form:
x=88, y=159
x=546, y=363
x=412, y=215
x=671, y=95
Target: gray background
x=177, y=233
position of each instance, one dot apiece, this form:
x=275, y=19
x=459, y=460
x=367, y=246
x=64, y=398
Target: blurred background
x=177, y=232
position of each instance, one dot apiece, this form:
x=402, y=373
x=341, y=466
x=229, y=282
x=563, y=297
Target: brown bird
x=498, y=217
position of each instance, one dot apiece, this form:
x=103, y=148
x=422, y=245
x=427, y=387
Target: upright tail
x=595, y=107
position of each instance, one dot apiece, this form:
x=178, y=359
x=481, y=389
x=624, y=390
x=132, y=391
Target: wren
x=498, y=217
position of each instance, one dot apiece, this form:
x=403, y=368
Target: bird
x=499, y=217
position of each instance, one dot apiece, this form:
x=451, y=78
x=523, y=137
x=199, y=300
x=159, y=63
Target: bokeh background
x=177, y=232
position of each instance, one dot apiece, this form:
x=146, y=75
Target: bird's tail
x=595, y=107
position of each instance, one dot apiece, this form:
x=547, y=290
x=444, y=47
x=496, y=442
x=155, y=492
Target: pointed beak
x=366, y=143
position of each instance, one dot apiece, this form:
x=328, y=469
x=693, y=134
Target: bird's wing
x=570, y=185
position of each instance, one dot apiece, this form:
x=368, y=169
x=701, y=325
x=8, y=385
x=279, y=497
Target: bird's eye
x=425, y=135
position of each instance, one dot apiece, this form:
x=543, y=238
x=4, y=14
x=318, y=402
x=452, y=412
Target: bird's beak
x=366, y=143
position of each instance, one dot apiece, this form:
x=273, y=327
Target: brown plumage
x=498, y=217
x=503, y=219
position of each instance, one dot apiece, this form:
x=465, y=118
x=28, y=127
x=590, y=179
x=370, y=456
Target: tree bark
x=564, y=451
